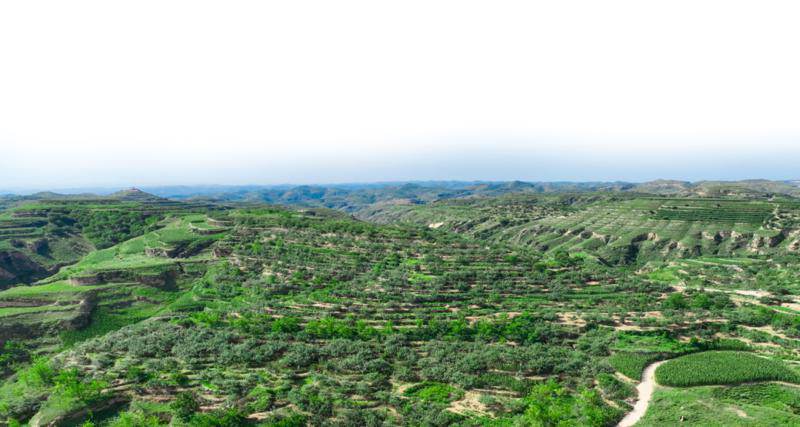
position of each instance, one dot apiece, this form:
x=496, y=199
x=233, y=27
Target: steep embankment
x=34, y=248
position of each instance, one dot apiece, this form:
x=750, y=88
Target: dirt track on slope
x=645, y=390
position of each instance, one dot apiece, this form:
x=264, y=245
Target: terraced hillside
x=617, y=228
x=109, y=288
x=272, y=316
x=41, y=233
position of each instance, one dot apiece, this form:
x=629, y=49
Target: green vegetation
x=496, y=305
x=712, y=406
x=434, y=392
x=551, y=404
x=39, y=235
x=720, y=211
x=618, y=228
x=632, y=365
x=723, y=367
x=775, y=396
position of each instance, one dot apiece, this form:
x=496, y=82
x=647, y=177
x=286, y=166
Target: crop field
x=632, y=365
x=14, y=311
x=42, y=291
x=723, y=367
x=716, y=211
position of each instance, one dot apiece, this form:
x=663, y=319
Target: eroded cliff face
x=18, y=267
x=27, y=261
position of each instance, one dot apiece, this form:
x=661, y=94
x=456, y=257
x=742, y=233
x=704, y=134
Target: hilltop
x=135, y=194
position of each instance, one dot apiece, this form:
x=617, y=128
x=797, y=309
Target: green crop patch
x=44, y=291
x=632, y=365
x=723, y=367
x=715, y=211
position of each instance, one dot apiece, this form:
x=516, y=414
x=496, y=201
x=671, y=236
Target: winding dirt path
x=645, y=390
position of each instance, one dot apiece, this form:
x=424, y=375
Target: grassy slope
x=711, y=406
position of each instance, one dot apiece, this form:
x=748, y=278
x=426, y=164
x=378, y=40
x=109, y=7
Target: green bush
x=551, y=404
x=40, y=373
x=185, y=405
x=615, y=388
x=219, y=418
x=70, y=384
x=435, y=392
x=135, y=419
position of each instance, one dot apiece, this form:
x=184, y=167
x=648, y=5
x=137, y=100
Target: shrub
x=615, y=388
x=220, y=418
x=185, y=405
x=551, y=404
x=70, y=384
x=435, y=392
x=39, y=374
x=135, y=419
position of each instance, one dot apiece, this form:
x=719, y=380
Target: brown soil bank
x=16, y=267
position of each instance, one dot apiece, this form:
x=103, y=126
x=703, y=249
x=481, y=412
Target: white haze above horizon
x=105, y=94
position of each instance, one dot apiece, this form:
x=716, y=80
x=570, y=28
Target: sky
x=101, y=93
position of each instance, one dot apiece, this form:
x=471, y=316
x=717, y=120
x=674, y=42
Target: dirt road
x=645, y=390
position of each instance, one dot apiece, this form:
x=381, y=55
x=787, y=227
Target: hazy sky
x=109, y=93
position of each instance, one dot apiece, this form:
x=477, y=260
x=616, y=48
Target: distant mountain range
x=350, y=197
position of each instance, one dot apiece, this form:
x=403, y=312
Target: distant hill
x=135, y=194
x=664, y=186
x=745, y=188
x=353, y=198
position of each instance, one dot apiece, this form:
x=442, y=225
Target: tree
x=549, y=404
x=185, y=405
x=676, y=301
